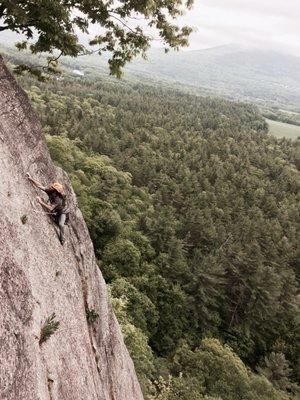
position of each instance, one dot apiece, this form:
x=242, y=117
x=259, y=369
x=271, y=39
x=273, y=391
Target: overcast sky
x=271, y=24
x=264, y=23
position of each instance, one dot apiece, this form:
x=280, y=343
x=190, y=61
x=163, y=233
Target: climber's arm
x=45, y=205
x=36, y=183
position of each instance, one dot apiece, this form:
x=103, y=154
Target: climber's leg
x=61, y=225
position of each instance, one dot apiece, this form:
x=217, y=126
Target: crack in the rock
x=49, y=385
x=80, y=260
x=22, y=122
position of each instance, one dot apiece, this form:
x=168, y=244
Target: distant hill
x=263, y=76
x=266, y=77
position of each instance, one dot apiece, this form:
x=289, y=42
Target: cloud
x=283, y=8
x=262, y=23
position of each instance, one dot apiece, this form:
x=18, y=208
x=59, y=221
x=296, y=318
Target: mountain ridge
x=246, y=74
x=268, y=78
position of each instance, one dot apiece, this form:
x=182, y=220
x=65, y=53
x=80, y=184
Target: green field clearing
x=281, y=129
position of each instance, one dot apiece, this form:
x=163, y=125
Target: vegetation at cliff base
x=193, y=209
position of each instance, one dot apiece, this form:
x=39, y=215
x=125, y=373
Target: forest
x=193, y=209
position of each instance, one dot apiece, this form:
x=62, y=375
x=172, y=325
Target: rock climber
x=57, y=207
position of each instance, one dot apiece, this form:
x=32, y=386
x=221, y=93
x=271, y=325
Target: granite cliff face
x=39, y=277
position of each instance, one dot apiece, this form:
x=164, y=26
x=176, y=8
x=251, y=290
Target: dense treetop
x=125, y=28
x=193, y=210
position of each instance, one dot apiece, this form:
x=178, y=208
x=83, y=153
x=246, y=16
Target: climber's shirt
x=57, y=200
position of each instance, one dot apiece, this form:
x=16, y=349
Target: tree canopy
x=125, y=28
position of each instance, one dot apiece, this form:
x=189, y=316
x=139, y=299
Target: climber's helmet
x=58, y=187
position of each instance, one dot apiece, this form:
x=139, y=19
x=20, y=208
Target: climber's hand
x=28, y=175
x=40, y=200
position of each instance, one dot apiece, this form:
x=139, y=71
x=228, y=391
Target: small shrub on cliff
x=57, y=274
x=49, y=327
x=91, y=315
x=24, y=219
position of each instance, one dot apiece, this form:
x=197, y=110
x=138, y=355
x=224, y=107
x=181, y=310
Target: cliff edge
x=39, y=277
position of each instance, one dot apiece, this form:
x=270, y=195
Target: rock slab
x=38, y=277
